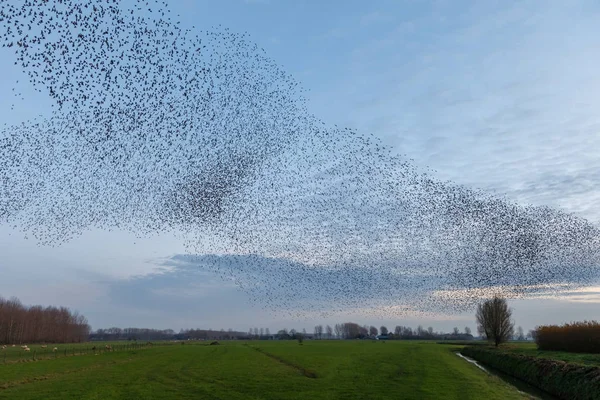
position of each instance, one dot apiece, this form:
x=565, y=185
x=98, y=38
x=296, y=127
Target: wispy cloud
x=488, y=96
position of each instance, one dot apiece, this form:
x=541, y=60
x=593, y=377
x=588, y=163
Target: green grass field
x=257, y=370
x=530, y=349
x=39, y=352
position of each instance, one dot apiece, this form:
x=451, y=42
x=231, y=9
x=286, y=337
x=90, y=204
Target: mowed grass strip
x=343, y=370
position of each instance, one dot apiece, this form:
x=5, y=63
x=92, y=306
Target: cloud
x=488, y=96
x=284, y=287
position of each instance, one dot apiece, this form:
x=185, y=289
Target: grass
x=16, y=354
x=563, y=375
x=530, y=349
x=258, y=370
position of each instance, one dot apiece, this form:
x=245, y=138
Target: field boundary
x=304, y=371
x=564, y=380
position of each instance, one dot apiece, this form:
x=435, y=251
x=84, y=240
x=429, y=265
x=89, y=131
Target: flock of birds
x=157, y=128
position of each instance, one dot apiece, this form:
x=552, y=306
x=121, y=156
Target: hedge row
x=578, y=337
x=561, y=379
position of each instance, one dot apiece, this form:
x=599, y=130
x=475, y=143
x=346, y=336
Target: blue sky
x=496, y=95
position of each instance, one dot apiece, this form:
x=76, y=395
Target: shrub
x=577, y=337
x=561, y=379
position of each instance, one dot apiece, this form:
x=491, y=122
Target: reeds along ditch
x=561, y=379
x=577, y=337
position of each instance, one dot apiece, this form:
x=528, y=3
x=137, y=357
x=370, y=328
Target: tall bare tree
x=520, y=333
x=318, y=331
x=494, y=320
x=339, y=330
x=373, y=331
x=329, y=332
x=35, y=324
x=383, y=330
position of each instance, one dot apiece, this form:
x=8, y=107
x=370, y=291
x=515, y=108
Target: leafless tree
x=319, y=332
x=398, y=330
x=520, y=333
x=467, y=330
x=35, y=324
x=329, y=332
x=494, y=320
x=383, y=330
x=455, y=331
x=373, y=331
x=339, y=330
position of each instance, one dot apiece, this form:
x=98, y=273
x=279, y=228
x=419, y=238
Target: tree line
x=144, y=334
x=20, y=324
x=353, y=330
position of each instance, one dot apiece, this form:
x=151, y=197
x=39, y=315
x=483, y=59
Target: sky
x=496, y=95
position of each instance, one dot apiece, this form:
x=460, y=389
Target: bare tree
x=494, y=320
x=339, y=330
x=363, y=331
x=329, y=332
x=467, y=330
x=520, y=333
x=319, y=332
x=455, y=331
x=351, y=330
x=398, y=330
x=383, y=330
x=372, y=331
x=34, y=324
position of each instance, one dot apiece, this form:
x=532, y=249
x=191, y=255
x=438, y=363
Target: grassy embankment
x=258, y=370
x=565, y=375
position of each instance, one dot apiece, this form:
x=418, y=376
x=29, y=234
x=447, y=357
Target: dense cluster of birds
x=156, y=127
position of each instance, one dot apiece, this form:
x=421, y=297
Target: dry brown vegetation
x=577, y=337
x=36, y=324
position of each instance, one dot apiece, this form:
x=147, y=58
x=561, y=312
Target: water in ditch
x=521, y=386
